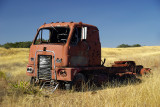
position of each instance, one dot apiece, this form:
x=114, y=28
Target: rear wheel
x=79, y=82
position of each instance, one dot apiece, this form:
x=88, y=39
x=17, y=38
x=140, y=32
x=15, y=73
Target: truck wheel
x=79, y=82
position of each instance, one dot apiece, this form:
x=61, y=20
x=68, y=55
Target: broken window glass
x=76, y=36
x=52, y=35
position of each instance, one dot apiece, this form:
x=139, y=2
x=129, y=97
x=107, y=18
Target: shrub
x=6, y=46
x=26, y=44
x=136, y=45
x=126, y=45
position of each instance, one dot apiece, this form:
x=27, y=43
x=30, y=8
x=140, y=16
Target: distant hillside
x=25, y=44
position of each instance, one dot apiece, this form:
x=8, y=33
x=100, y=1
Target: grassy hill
x=13, y=82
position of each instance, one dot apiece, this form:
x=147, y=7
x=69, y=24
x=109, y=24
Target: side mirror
x=84, y=33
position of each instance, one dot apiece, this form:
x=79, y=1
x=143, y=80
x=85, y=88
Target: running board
x=49, y=86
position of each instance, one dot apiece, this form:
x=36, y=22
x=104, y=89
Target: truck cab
x=60, y=50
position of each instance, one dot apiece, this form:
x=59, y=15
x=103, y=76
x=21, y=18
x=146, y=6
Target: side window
x=76, y=36
x=46, y=35
x=43, y=36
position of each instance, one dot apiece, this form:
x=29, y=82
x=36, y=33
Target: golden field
x=146, y=93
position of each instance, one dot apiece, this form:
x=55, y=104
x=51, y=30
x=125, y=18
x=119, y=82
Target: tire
x=79, y=82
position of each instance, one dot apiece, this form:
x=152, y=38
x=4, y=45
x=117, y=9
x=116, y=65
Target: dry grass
x=148, y=55
x=147, y=93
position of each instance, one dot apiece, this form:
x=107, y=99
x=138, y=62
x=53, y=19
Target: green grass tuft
x=22, y=87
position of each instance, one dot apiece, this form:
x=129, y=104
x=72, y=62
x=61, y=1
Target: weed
x=2, y=75
x=22, y=87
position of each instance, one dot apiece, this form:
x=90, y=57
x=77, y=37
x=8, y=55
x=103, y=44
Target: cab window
x=76, y=36
x=52, y=35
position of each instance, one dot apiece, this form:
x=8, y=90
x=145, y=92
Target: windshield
x=52, y=35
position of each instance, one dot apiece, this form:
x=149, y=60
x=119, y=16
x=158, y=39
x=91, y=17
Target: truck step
x=49, y=87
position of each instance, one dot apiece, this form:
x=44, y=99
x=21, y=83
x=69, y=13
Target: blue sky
x=119, y=21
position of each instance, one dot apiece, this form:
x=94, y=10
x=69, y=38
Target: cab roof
x=65, y=24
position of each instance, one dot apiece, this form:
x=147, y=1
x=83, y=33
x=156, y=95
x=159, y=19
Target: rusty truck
x=69, y=53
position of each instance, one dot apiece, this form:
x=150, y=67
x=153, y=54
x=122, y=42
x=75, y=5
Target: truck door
x=79, y=47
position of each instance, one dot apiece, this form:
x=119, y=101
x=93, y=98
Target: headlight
x=30, y=70
x=63, y=73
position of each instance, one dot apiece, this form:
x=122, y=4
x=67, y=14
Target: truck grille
x=45, y=66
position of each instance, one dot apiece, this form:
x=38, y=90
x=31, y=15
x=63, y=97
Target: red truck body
x=60, y=51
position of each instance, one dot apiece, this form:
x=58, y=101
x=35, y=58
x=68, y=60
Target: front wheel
x=79, y=82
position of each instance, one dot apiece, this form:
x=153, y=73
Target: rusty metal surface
x=84, y=56
x=145, y=71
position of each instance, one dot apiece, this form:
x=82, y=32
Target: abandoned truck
x=69, y=53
